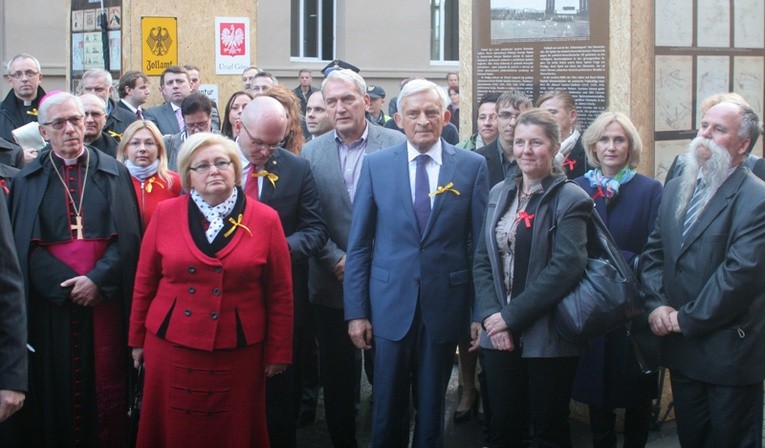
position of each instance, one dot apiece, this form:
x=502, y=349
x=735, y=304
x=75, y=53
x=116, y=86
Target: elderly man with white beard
x=705, y=289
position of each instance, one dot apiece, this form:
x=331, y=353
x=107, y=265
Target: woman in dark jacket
x=531, y=252
x=609, y=375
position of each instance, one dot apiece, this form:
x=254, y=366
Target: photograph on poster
x=535, y=20
x=78, y=52
x=77, y=20
x=713, y=24
x=712, y=76
x=748, y=80
x=674, y=93
x=666, y=151
x=115, y=51
x=673, y=29
x=90, y=20
x=114, y=18
x=748, y=31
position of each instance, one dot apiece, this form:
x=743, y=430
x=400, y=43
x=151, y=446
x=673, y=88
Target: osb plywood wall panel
x=196, y=37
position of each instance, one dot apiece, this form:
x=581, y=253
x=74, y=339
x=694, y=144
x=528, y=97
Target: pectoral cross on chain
x=77, y=226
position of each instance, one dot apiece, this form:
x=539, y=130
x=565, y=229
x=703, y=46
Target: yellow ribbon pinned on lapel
x=32, y=112
x=114, y=135
x=151, y=182
x=270, y=176
x=237, y=223
x=448, y=187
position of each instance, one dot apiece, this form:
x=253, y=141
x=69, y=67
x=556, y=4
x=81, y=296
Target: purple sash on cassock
x=108, y=344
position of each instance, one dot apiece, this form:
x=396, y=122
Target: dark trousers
x=513, y=381
x=637, y=423
x=418, y=364
x=280, y=409
x=340, y=371
x=306, y=362
x=710, y=415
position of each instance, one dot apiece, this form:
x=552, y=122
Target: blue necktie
x=421, y=192
x=695, y=206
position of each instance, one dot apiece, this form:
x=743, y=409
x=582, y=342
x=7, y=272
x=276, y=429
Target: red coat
x=202, y=296
x=154, y=191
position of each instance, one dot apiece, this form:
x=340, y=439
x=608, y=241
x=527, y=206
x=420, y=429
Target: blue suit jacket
x=390, y=267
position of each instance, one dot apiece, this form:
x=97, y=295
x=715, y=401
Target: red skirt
x=194, y=398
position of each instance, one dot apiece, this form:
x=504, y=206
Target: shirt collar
x=350, y=145
x=434, y=152
x=129, y=106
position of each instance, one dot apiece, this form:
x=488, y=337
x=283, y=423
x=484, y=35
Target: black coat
x=50, y=311
x=553, y=269
x=12, y=114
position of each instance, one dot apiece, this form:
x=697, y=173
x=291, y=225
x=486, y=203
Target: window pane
x=310, y=28
x=435, y=30
x=451, y=30
x=328, y=30
x=295, y=28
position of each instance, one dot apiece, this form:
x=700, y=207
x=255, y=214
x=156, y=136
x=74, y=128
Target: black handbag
x=136, y=400
x=606, y=297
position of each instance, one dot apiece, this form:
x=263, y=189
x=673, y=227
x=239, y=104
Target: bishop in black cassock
x=76, y=227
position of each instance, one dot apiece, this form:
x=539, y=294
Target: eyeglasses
x=94, y=114
x=507, y=115
x=27, y=73
x=201, y=126
x=258, y=143
x=75, y=120
x=204, y=168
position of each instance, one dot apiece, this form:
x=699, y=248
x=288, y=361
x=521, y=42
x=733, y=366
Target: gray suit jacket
x=164, y=117
x=714, y=278
x=321, y=153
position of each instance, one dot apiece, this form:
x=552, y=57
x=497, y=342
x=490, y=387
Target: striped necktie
x=695, y=206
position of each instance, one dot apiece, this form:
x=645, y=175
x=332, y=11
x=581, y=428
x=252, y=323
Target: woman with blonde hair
x=143, y=152
x=212, y=307
x=610, y=375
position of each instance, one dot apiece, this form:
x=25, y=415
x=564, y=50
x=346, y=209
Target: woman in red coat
x=143, y=152
x=212, y=307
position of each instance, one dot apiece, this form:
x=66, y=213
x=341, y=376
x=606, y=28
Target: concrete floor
x=466, y=435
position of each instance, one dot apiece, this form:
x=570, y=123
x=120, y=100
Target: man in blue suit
x=408, y=282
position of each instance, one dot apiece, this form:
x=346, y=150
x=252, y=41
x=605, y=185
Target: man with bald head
x=705, y=292
x=95, y=119
x=280, y=179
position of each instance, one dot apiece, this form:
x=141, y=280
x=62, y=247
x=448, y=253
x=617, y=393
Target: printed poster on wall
x=232, y=45
x=540, y=45
x=159, y=44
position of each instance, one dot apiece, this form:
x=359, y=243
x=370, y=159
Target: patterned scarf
x=606, y=186
x=214, y=214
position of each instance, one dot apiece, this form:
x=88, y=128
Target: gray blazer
x=164, y=117
x=321, y=153
x=714, y=278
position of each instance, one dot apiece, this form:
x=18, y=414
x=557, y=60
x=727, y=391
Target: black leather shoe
x=466, y=416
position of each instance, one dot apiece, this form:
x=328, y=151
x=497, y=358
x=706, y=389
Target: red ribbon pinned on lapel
x=569, y=164
x=526, y=218
x=5, y=187
x=599, y=193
